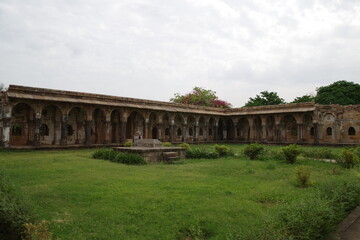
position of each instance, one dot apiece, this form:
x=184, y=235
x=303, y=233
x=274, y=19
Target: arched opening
x=99, y=127
x=76, y=119
x=22, y=125
x=178, y=124
x=230, y=130
x=166, y=125
x=351, y=131
x=135, y=123
x=257, y=129
x=329, y=131
x=221, y=129
x=191, y=129
x=288, y=129
x=211, y=127
x=115, y=126
x=44, y=130
x=312, y=131
x=244, y=129
x=179, y=132
x=202, y=129
x=154, y=133
x=308, y=128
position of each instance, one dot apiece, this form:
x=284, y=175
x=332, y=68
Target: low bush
x=321, y=153
x=254, y=150
x=167, y=144
x=291, y=152
x=15, y=210
x=184, y=145
x=200, y=153
x=104, y=153
x=348, y=158
x=130, y=159
x=309, y=217
x=223, y=150
x=37, y=231
x=273, y=154
x=302, y=176
x=128, y=144
x=343, y=193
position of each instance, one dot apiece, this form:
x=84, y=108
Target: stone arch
x=270, y=128
x=202, y=129
x=135, y=123
x=22, y=125
x=167, y=133
x=178, y=125
x=288, y=128
x=51, y=117
x=230, y=129
x=153, y=126
x=98, y=128
x=257, y=129
x=308, y=128
x=191, y=128
x=244, y=129
x=351, y=131
x=76, y=120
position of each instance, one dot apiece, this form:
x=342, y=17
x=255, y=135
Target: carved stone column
x=184, y=133
x=64, y=124
x=300, y=132
x=107, y=132
x=123, y=123
x=37, y=134
x=196, y=133
x=6, y=132
x=88, y=132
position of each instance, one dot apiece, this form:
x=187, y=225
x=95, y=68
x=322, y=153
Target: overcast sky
x=151, y=49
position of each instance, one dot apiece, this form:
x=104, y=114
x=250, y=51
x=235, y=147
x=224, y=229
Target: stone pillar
x=216, y=137
x=264, y=137
x=252, y=131
x=107, y=132
x=6, y=132
x=114, y=132
x=171, y=132
x=88, y=132
x=196, y=132
x=300, y=133
x=123, y=130
x=37, y=134
x=159, y=132
x=206, y=132
x=64, y=120
x=184, y=133
x=277, y=133
x=146, y=129
x=316, y=133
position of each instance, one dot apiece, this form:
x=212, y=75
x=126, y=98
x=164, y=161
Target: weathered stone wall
x=35, y=117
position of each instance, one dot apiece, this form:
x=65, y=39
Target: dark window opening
x=201, y=132
x=329, y=131
x=179, y=132
x=210, y=131
x=312, y=131
x=70, y=130
x=191, y=131
x=352, y=131
x=167, y=132
x=16, y=130
x=44, y=130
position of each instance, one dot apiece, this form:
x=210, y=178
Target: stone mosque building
x=37, y=117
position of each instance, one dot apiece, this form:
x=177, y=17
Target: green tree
x=305, y=98
x=202, y=97
x=341, y=92
x=265, y=98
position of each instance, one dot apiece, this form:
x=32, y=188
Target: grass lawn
x=85, y=198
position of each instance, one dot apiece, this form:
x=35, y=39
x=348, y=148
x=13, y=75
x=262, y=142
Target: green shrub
x=291, y=152
x=356, y=150
x=105, y=153
x=252, y=151
x=128, y=144
x=223, y=150
x=273, y=154
x=184, y=145
x=37, y=231
x=15, y=210
x=201, y=153
x=302, y=176
x=321, y=153
x=167, y=144
x=309, y=217
x=343, y=192
x=130, y=159
x=348, y=159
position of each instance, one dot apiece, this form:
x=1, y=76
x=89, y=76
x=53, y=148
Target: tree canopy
x=265, y=98
x=305, y=98
x=341, y=92
x=202, y=97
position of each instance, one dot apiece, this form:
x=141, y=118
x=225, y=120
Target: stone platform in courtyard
x=153, y=151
